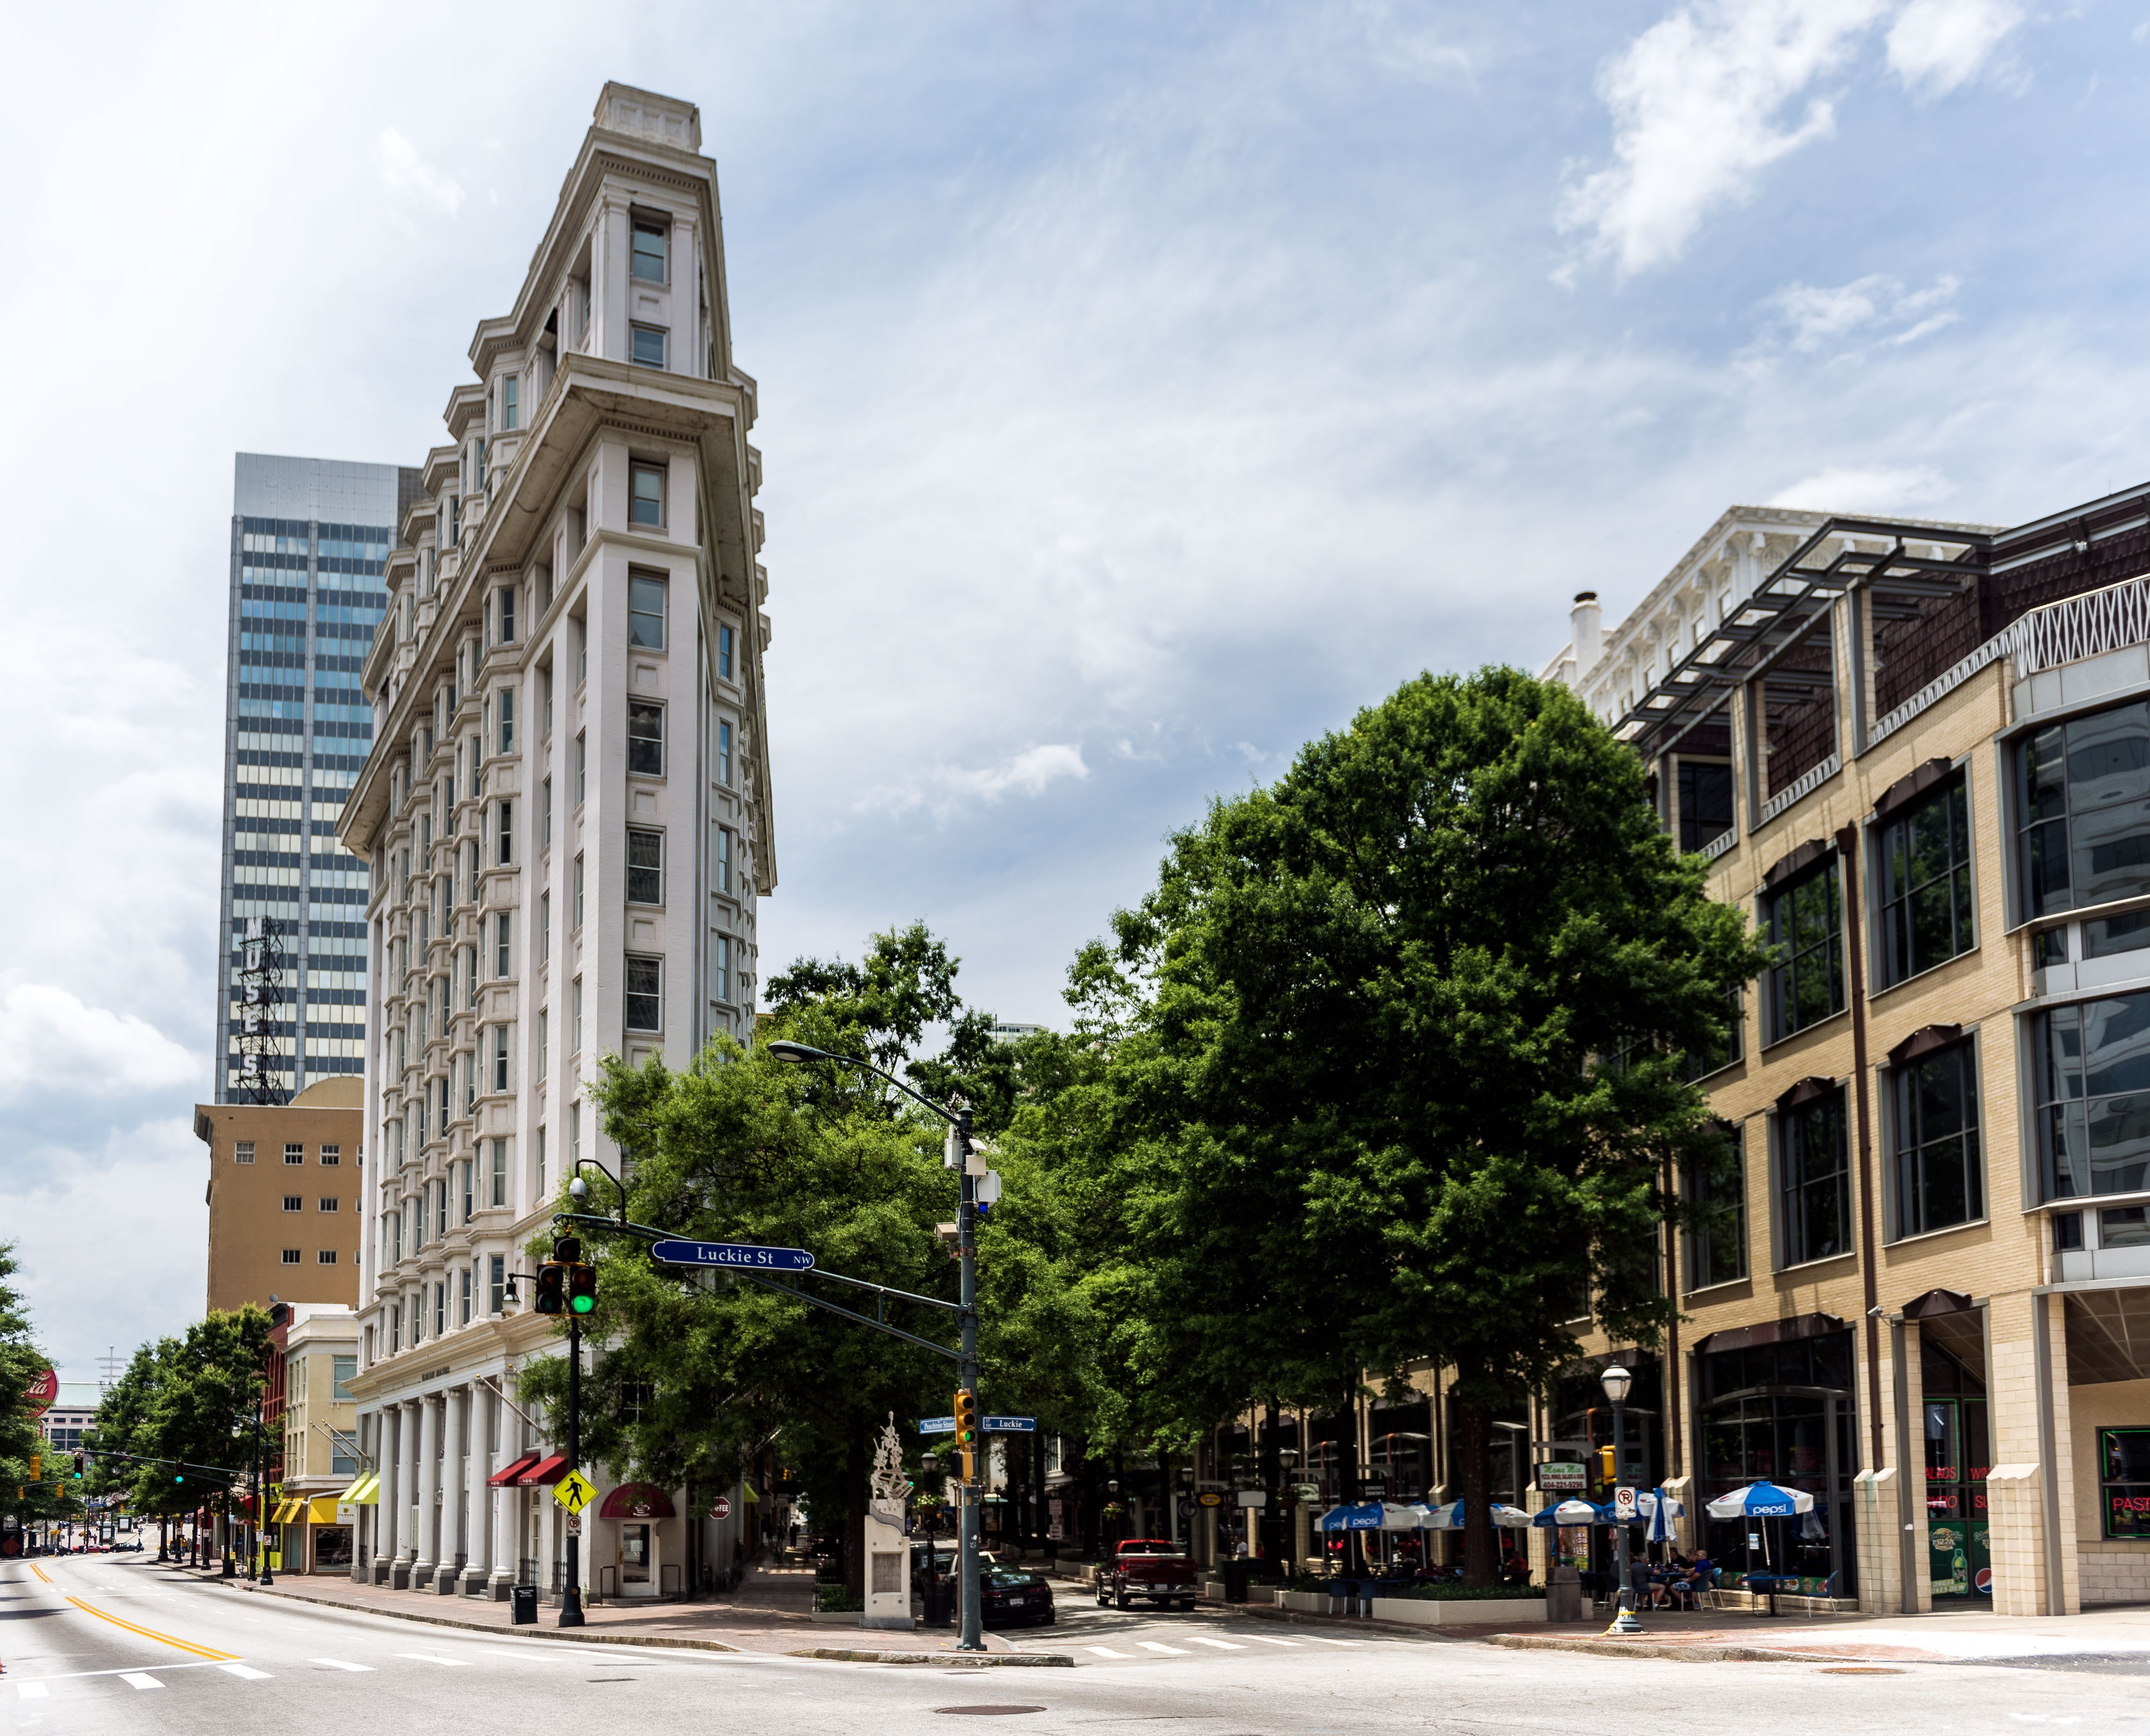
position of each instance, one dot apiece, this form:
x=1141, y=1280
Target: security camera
x=1877, y=1312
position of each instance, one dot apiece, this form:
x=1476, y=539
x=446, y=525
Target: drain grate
x=987, y=1711
x=1862, y=1669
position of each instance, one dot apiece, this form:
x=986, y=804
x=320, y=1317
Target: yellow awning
x=364, y=1492
x=281, y=1514
x=751, y=1493
x=321, y=1510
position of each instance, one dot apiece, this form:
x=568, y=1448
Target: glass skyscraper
x=309, y=537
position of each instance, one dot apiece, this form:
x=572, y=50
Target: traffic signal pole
x=571, y=1595
x=970, y=1638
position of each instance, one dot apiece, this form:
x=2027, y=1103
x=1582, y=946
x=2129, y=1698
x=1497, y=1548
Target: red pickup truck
x=1149, y=1567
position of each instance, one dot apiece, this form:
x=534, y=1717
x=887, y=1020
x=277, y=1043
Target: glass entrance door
x=634, y=1561
x=1958, y=1563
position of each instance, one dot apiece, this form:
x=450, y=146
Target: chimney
x=1585, y=633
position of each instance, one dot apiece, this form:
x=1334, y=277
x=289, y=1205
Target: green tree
x=1403, y=1055
x=21, y=1365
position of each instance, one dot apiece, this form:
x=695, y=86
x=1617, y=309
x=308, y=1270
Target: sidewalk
x=769, y=1613
x=1949, y=1636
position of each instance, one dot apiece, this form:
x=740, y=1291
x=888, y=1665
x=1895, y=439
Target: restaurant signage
x=1561, y=1475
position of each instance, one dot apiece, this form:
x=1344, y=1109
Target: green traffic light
x=583, y=1304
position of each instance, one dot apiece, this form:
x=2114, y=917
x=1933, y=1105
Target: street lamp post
x=1616, y=1381
x=971, y=1637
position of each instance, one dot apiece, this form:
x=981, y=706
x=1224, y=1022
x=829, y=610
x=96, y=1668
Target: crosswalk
x=151, y=1678
x=1240, y=1642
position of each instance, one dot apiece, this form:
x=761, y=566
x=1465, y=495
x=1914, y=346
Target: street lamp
x=971, y=1637
x=1616, y=1381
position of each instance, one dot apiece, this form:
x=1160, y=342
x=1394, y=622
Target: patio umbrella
x=1400, y=1518
x=1447, y=1516
x=1353, y=1515
x=1569, y=1512
x=1661, y=1510
x=1761, y=1500
x=1514, y=1517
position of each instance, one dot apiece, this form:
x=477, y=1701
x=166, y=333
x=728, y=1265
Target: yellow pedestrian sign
x=573, y=1491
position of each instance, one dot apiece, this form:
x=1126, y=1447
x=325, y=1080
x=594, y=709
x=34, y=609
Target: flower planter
x=1307, y=1603
x=1459, y=1612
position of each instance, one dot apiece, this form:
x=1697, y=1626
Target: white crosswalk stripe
x=453, y=1664
x=135, y=1679
x=1106, y=1651
x=337, y=1663
x=32, y=1691
x=1222, y=1645
x=1152, y=1645
x=1323, y=1639
x=243, y=1674
x=1268, y=1640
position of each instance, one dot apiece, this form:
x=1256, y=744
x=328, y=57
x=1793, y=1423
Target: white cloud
x=1866, y=488
x=1936, y=45
x=1817, y=318
x=1025, y=774
x=414, y=183
x=50, y=1041
x=1699, y=107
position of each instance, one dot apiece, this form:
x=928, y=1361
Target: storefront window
x=2094, y=1067
x=2123, y=1456
x=2082, y=795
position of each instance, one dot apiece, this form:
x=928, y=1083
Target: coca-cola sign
x=42, y=1391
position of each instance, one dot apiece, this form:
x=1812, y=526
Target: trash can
x=940, y=1602
x=525, y=1600
x=1236, y=1570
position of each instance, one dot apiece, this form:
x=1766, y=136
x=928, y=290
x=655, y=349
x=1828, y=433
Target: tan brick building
x=284, y=1196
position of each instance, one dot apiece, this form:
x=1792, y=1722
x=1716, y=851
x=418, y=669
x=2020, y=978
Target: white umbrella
x=1661, y=1510
x=1761, y=1500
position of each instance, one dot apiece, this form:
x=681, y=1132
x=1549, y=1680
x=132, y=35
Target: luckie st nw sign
x=744, y=1254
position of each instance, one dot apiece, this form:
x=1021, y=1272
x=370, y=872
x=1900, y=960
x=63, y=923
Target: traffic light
x=1605, y=1455
x=78, y=1467
x=966, y=1432
x=37, y=1467
x=582, y=1288
x=552, y=1280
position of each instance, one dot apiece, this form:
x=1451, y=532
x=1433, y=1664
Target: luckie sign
x=42, y=1391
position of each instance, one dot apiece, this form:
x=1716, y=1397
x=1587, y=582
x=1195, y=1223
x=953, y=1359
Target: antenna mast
x=261, y=1007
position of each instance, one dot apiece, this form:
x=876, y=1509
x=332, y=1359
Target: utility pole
x=571, y=1594
x=970, y=1638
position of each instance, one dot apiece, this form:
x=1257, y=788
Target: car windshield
x=1149, y=1546
x=1006, y=1576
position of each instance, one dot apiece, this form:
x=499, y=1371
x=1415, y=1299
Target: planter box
x=1459, y=1612
x=1307, y=1603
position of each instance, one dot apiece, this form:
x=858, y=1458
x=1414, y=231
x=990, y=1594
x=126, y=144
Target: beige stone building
x=285, y=1200
x=317, y=1352
x=567, y=816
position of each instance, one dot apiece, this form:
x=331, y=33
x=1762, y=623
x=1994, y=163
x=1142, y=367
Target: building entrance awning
x=544, y=1473
x=504, y=1478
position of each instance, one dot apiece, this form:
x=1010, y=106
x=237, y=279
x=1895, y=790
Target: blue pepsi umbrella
x=1570, y=1512
x=1353, y=1515
x=1660, y=1518
x=1761, y=1500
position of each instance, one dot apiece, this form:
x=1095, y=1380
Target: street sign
x=1210, y=1498
x=732, y=1253
x=1253, y=1497
x=721, y=1508
x=573, y=1491
x=1623, y=1502
x=1563, y=1475
x=937, y=1425
x=1010, y=1425
x=1307, y=1491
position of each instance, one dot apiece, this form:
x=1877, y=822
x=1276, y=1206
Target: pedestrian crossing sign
x=573, y=1491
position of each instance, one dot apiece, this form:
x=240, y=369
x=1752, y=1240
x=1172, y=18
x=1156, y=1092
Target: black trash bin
x=1236, y=1571
x=940, y=1602
x=525, y=1600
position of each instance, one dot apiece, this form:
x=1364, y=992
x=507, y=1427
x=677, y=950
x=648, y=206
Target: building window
x=1814, y=1180
x=545, y=699
x=2091, y=1135
x=724, y=653
x=295, y=1153
x=499, y=1194
x=243, y=1152
x=395, y=1327
x=507, y=838
x=575, y=890
x=496, y=1284
x=645, y=506
x=2082, y=789
x=509, y=408
x=575, y=1016
x=295, y=1202
x=545, y=814
x=464, y=1285
x=330, y=1202
x=645, y=739
x=574, y=1138
x=646, y=348
x=581, y=765
x=470, y=1189
x=2123, y=1459
x=331, y=1155
x=646, y=259
x=722, y=983
x=506, y=700
x=346, y=1370
x=544, y=1035
x=724, y=755
x=1716, y=1186
x=645, y=866
x=291, y=1257
x=645, y=611
x=325, y=1257
x=541, y=1160
x=1705, y=804
x=440, y=1309
x=645, y=994
x=1806, y=926
x=544, y=928
x=723, y=859
x=500, y=1057
x=1925, y=885
x=500, y=943
x=1940, y=1171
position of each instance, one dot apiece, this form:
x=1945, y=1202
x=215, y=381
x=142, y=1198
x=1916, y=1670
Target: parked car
x=1151, y=1568
x=1012, y=1595
x=942, y=1558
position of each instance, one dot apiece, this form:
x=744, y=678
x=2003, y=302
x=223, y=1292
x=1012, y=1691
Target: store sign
x=1561, y=1475
x=1210, y=1498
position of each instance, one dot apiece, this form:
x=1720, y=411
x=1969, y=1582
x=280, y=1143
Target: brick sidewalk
x=768, y=1614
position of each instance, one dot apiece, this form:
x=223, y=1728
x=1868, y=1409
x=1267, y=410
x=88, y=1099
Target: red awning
x=636, y=1501
x=501, y=1478
x=544, y=1473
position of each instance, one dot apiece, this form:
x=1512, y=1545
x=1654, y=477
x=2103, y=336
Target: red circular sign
x=42, y=1391
x=721, y=1508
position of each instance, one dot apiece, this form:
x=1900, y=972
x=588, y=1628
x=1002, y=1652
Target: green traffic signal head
x=582, y=1288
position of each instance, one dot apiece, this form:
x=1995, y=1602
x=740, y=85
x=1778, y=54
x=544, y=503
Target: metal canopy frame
x=1769, y=625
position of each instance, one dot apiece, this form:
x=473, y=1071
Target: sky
x=1143, y=390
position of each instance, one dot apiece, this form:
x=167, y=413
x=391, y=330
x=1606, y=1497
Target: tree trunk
x=1481, y=1555
x=855, y=1514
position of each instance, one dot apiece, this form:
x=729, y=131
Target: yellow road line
x=151, y=1634
x=39, y=1571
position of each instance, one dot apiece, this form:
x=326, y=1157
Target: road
x=93, y=1645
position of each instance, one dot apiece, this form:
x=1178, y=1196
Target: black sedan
x=1011, y=1596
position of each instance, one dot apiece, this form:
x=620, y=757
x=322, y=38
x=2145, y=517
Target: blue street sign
x=733, y=1253
x=937, y=1425
x=1010, y=1425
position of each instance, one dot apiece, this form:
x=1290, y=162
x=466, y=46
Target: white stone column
x=507, y=1503
x=477, y=1508
x=456, y=1422
x=407, y=1533
x=426, y=1530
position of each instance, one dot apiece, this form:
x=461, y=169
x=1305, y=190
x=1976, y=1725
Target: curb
x=962, y=1660
x=1645, y=1649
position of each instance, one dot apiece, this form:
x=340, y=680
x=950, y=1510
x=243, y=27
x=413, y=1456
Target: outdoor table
x=1772, y=1583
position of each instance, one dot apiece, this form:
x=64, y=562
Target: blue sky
x=1144, y=389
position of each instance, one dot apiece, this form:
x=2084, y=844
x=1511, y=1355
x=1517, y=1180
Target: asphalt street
x=102, y=1644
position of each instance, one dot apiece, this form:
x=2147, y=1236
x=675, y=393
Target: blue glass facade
x=309, y=537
